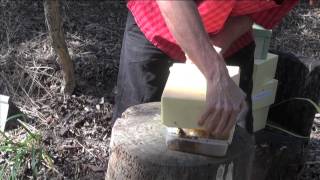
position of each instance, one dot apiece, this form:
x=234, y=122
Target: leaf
x=2, y=170
x=6, y=137
x=34, y=163
x=47, y=159
x=25, y=126
x=22, y=152
x=15, y=116
x=8, y=149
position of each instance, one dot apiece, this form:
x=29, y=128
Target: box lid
x=259, y=31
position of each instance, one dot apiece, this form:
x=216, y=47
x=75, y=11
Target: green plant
x=24, y=155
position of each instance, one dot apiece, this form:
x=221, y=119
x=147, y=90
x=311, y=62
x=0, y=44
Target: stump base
x=138, y=151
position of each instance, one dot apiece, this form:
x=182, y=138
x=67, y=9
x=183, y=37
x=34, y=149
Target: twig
x=312, y=162
x=87, y=150
x=51, y=168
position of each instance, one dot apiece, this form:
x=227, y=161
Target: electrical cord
x=287, y=132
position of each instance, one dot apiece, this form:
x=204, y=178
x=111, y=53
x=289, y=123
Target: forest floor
x=75, y=130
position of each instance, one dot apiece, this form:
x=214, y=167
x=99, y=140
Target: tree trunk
x=138, y=151
x=298, y=77
x=54, y=24
x=280, y=155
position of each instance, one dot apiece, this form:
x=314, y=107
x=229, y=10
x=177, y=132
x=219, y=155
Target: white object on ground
x=4, y=108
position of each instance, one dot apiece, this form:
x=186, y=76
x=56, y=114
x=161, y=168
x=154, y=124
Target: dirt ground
x=76, y=129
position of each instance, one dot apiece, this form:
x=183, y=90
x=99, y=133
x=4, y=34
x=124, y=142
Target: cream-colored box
x=260, y=118
x=264, y=95
x=264, y=70
x=183, y=98
x=262, y=38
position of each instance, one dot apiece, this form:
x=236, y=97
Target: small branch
x=54, y=24
x=312, y=162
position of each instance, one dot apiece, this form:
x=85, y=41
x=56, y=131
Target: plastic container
x=262, y=38
x=264, y=70
x=260, y=118
x=4, y=108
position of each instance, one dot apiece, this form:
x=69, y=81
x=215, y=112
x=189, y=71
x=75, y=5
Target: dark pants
x=144, y=70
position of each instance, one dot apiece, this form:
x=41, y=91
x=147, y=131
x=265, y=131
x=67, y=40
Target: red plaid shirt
x=214, y=14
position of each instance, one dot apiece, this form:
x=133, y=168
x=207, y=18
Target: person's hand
x=224, y=101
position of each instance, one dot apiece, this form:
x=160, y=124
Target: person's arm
x=183, y=21
x=224, y=98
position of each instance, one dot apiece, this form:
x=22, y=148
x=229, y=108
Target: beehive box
x=260, y=118
x=262, y=39
x=183, y=98
x=264, y=95
x=264, y=70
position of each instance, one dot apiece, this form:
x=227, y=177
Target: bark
x=54, y=24
x=278, y=155
x=298, y=77
x=138, y=151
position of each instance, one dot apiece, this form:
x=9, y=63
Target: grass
x=25, y=157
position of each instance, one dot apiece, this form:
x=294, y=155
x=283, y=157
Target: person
x=212, y=34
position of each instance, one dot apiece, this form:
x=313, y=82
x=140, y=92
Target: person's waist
x=240, y=43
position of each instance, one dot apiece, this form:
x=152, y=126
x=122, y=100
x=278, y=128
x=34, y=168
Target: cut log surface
x=139, y=152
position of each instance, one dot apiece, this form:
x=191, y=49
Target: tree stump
x=138, y=151
x=280, y=155
x=298, y=77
